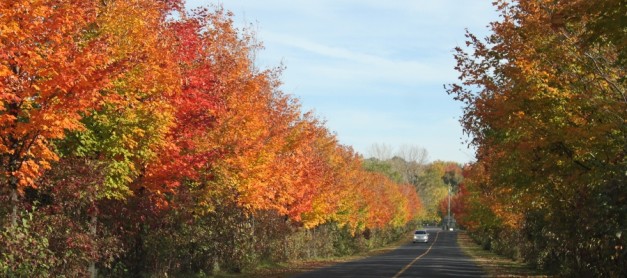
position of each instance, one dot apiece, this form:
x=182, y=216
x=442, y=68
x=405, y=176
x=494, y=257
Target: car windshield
x=421, y=232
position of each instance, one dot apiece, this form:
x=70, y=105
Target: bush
x=24, y=251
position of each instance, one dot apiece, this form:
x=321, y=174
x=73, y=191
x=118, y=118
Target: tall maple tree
x=129, y=126
x=52, y=67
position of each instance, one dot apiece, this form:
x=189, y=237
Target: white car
x=421, y=236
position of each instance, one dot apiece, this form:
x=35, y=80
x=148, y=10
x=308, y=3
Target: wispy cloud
x=374, y=69
x=347, y=65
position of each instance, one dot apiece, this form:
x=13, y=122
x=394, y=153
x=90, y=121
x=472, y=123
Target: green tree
x=383, y=167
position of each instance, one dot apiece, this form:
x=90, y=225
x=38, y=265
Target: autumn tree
x=545, y=103
x=52, y=68
x=122, y=132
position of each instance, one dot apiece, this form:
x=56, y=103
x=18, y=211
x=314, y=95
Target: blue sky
x=373, y=70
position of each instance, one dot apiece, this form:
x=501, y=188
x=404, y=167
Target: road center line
x=417, y=258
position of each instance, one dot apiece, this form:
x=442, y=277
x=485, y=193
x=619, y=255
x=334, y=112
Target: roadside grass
x=493, y=264
x=295, y=267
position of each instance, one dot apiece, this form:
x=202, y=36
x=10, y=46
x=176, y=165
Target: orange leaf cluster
x=50, y=73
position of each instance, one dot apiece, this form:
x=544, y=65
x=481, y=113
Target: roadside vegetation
x=294, y=267
x=493, y=264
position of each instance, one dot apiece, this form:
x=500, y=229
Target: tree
x=383, y=167
x=52, y=69
x=127, y=129
x=432, y=187
x=415, y=160
x=545, y=103
x=381, y=151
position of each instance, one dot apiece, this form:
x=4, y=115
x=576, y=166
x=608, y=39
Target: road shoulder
x=493, y=264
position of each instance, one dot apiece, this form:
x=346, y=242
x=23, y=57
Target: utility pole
x=448, y=220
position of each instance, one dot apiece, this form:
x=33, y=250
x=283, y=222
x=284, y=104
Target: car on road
x=421, y=236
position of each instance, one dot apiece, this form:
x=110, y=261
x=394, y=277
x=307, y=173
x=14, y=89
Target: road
x=440, y=257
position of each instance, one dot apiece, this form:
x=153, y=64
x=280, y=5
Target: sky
x=373, y=70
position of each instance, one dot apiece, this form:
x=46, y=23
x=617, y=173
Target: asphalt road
x=440, y=257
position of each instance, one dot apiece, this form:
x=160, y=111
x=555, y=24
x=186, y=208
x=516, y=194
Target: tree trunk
x=14, y=204
x=13, y=184
x=93, y=272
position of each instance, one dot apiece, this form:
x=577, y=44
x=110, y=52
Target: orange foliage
x=216, y=123
x=51, y=71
